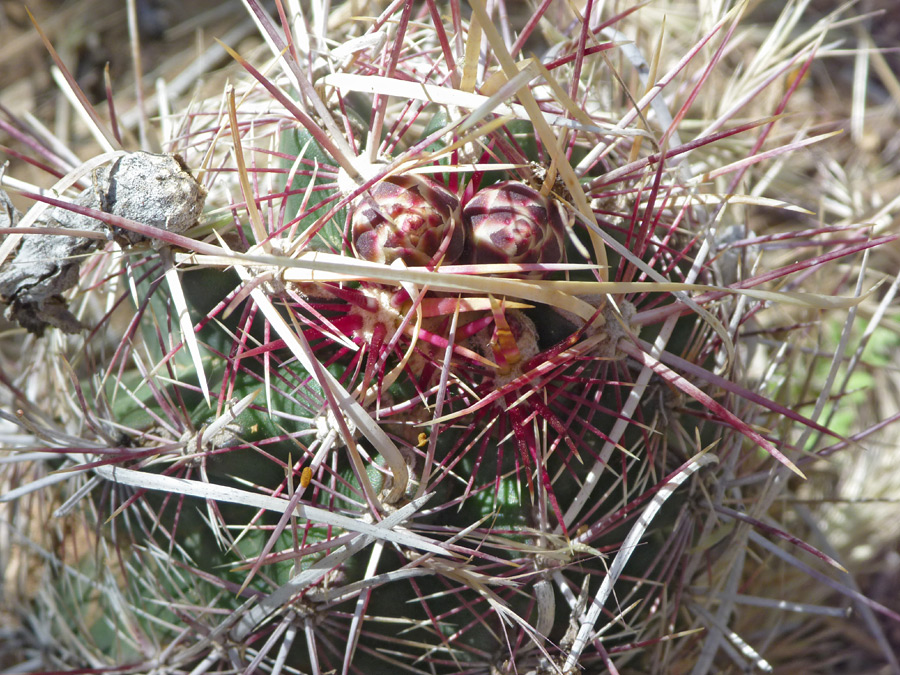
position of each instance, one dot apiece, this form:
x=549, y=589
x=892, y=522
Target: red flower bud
x=511, y=222
x=407, y=217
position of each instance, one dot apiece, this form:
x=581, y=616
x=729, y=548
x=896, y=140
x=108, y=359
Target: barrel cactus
x=453, y=368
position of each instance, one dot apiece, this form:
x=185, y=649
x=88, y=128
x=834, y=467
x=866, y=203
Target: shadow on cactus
x=430, y=384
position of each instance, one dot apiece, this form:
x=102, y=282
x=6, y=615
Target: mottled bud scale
x=408, y=217
x=511, y=222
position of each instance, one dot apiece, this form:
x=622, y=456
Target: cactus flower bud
x=511, y=222
x=407, y=217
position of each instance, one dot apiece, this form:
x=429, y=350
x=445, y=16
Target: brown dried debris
x=152, y=189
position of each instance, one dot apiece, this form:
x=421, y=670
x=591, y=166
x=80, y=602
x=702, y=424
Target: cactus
x=524, y=449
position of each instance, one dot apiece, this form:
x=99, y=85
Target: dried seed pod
x=155, y=190
x=511, y=222
x=407, y=217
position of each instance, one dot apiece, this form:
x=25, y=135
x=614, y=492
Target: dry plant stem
x=134, y=42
